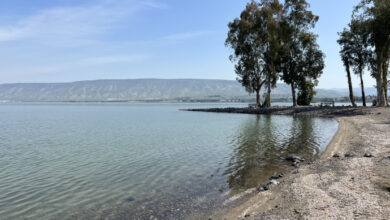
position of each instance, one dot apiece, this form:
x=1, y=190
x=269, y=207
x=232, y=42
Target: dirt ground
x=350, y=186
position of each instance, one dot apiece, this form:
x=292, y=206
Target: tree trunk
x=351, y=97
x=362, y=86
x=385, y=88
x=293, y=93
x=381, y=99
x=268, y=101
x=258, y=103
x=268, y=104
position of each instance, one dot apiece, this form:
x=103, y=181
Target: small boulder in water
x=130, y=199
x=296, y=164
x=294, y=158
x=276, y=177
x=260, y=188
x=271, y=184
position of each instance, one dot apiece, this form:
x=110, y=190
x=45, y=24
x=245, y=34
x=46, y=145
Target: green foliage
x=346, y=53
x=373, y=19
x=271, y=38
x=302, y=61
x=254, y=40
x=306, y=93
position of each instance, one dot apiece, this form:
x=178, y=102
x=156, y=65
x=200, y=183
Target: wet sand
x=351, y=180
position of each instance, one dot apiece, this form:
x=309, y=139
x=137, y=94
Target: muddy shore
x=351, y=180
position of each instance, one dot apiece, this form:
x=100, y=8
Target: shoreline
x=351, y=179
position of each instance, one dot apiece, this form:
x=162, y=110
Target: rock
x=130, y=199
x=247, y=215
x=368, y=155
x=271, y=184
x=336, y=155
x=276, y=177
x=260, y=188
x=348, y=155
x=296, y=164
x=294, y=158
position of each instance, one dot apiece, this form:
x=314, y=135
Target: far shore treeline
x=272, y=40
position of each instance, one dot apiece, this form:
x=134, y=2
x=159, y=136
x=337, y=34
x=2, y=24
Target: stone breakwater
x=328, y=112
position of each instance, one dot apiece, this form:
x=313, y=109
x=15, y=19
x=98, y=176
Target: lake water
x=134, y=161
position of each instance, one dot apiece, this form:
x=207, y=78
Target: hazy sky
x=70, y=40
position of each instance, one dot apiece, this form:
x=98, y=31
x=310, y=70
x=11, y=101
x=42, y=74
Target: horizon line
x=152, y=78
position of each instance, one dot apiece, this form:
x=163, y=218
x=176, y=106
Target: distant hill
x=140, y=90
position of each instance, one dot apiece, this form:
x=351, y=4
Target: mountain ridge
x=147, y=89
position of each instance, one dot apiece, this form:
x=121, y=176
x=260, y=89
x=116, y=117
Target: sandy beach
x=351, y=180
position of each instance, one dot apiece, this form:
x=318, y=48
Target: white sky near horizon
x=72, y=40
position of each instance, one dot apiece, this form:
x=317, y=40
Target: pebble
x=368, y=155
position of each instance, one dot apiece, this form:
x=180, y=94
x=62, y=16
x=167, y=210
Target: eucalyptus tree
x=246, y=40
x=360, y=52
x=345, y=41
x=271, y=17
x=374, y=15
x=298, y=45
x=254, y=38
x=310, y=68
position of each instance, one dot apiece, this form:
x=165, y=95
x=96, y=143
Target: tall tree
x=310, y=68
x=375, y=15
x=271, y=15
x=360, y=52
x=247, y=41
x=346, y=43
x=296, y=25
x=254, y=37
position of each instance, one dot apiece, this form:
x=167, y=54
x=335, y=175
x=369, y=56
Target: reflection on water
x=134, y=161
x=262, y=144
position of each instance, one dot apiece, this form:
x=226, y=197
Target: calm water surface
x=133, y=161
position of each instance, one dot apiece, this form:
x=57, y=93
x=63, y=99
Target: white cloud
x=60, y=67
x=74, y=24
x=112, y=59
x=170, y=38
x=187, y=35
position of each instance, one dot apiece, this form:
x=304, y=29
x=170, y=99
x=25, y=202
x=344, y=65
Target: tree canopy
x=271, y=39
